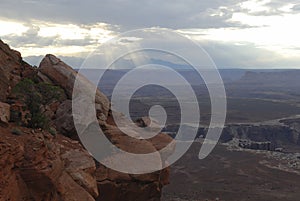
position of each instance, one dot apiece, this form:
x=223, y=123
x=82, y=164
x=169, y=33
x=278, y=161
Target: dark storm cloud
x=128, y=14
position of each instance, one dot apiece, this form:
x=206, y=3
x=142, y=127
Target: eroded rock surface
x=63, y=75
x=12, y=70
x=38, y=166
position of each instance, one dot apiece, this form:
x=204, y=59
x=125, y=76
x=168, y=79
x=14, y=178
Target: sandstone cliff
x=45, y=164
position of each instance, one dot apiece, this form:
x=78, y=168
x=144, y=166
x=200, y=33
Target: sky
x=235, y=33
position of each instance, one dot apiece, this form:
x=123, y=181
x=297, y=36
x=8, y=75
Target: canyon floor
x=232, y=175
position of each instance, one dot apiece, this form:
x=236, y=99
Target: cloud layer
x=236, y=33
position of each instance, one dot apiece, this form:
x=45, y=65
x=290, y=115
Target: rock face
x=247, y=144
x=276, y=134
x=35, y=165
x=115, y=186
x=38, y=166
x=12, y=70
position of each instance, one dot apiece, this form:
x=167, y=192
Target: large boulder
x=64, y=120
x=63, y=75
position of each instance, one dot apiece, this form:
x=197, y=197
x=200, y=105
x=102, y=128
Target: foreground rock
x=37, y=166
x=115, y=186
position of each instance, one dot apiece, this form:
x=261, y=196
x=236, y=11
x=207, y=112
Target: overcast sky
x=235, y=33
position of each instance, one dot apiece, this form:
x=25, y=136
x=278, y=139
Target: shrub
x=34, y=95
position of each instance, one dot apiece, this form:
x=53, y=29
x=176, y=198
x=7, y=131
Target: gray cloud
x=247, y=55
x=129, y=14
x=296, y=8
x=31, y=38
x=274, y=8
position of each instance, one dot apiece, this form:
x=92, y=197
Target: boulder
x=64, y=120
x=4, y=113
x=63, y=75
x=143, y=122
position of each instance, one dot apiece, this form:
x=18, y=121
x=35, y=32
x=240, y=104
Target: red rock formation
x=64, y=76
x=12, y=70
x=35, y=165
x=113, y=186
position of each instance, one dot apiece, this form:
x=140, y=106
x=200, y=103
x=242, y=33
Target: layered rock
x=247, y=144
x=63, y=75
x=276, y=134
x=12, y=70
x=116, y=186
x=35, y=166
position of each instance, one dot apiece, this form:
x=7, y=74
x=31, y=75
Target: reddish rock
x=40, y=167
x=115, y=186
x=12, y=70
x=4, y=113
x=81, y=168
x=63, y=75
x=37, y=166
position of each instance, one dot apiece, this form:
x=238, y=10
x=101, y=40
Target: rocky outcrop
x=38, y=166
x=265, y=146
x=12, y=70
x=119, y=186
x=63, y=75
x=115, y=186
x=276, y=134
